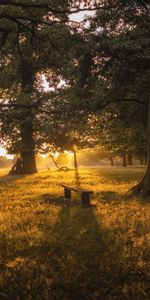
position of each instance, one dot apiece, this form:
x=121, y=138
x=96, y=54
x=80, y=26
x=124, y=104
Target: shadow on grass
x=122, y=175
x=57, y=201
x=7, y=177
x=76, y=258
x=63, y=202
x=10, y=178
x=110, y=196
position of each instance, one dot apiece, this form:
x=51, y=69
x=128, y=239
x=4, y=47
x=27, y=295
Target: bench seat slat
x=76, y=189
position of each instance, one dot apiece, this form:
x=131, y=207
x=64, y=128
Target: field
x=54, y=249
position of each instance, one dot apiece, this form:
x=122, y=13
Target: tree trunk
x=26, y=127
x=124, y=160
x=144, y=186
x=141, y=161
x=112, y=161
x=145, y=158
x=75, y=158
x=130, y=159
x=145, y=190
x=27, y=148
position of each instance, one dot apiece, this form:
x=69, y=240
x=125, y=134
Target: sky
x=4, y=153
x=81, y=15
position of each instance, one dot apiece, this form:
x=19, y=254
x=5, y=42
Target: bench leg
x=67, y=193
x=85, y=198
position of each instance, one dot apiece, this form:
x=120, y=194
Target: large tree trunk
x=144, y=186
x=145, y=190
x=26, y=128
x=27, y=147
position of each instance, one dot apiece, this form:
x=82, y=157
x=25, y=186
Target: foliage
x=34, y=48
x=120, y=53
x=106, y=62
x=123, y=130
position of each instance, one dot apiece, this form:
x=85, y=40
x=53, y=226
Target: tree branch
x=16, y=18
x=53, y=10
x=7, y=105
x=51, y=112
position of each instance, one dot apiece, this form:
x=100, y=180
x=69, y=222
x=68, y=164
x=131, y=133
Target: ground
x=52, y=249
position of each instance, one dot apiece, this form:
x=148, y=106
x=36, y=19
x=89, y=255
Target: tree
x=28, y=38
x=32, y=45
x=123, y=133
x=121, y=54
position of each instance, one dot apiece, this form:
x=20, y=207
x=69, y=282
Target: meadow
x=60, y=250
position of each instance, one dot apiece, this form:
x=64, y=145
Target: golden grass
x=53, y=250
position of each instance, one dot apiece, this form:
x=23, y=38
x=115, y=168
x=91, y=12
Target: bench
x=85, y=194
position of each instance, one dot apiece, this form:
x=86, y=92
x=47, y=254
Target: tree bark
x=129, y=159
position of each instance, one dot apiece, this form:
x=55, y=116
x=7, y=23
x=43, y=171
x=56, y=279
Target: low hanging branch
x=57, y=165
x=99, y=107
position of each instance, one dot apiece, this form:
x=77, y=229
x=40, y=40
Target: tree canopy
x=99, y=66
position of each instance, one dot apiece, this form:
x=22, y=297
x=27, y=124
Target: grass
x=50, y=249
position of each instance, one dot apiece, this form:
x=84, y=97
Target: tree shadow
x=5, y=178
x=111, y=196
x=77, y=257
x=57, y=201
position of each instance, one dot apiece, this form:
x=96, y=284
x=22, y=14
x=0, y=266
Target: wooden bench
x=85, y=194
